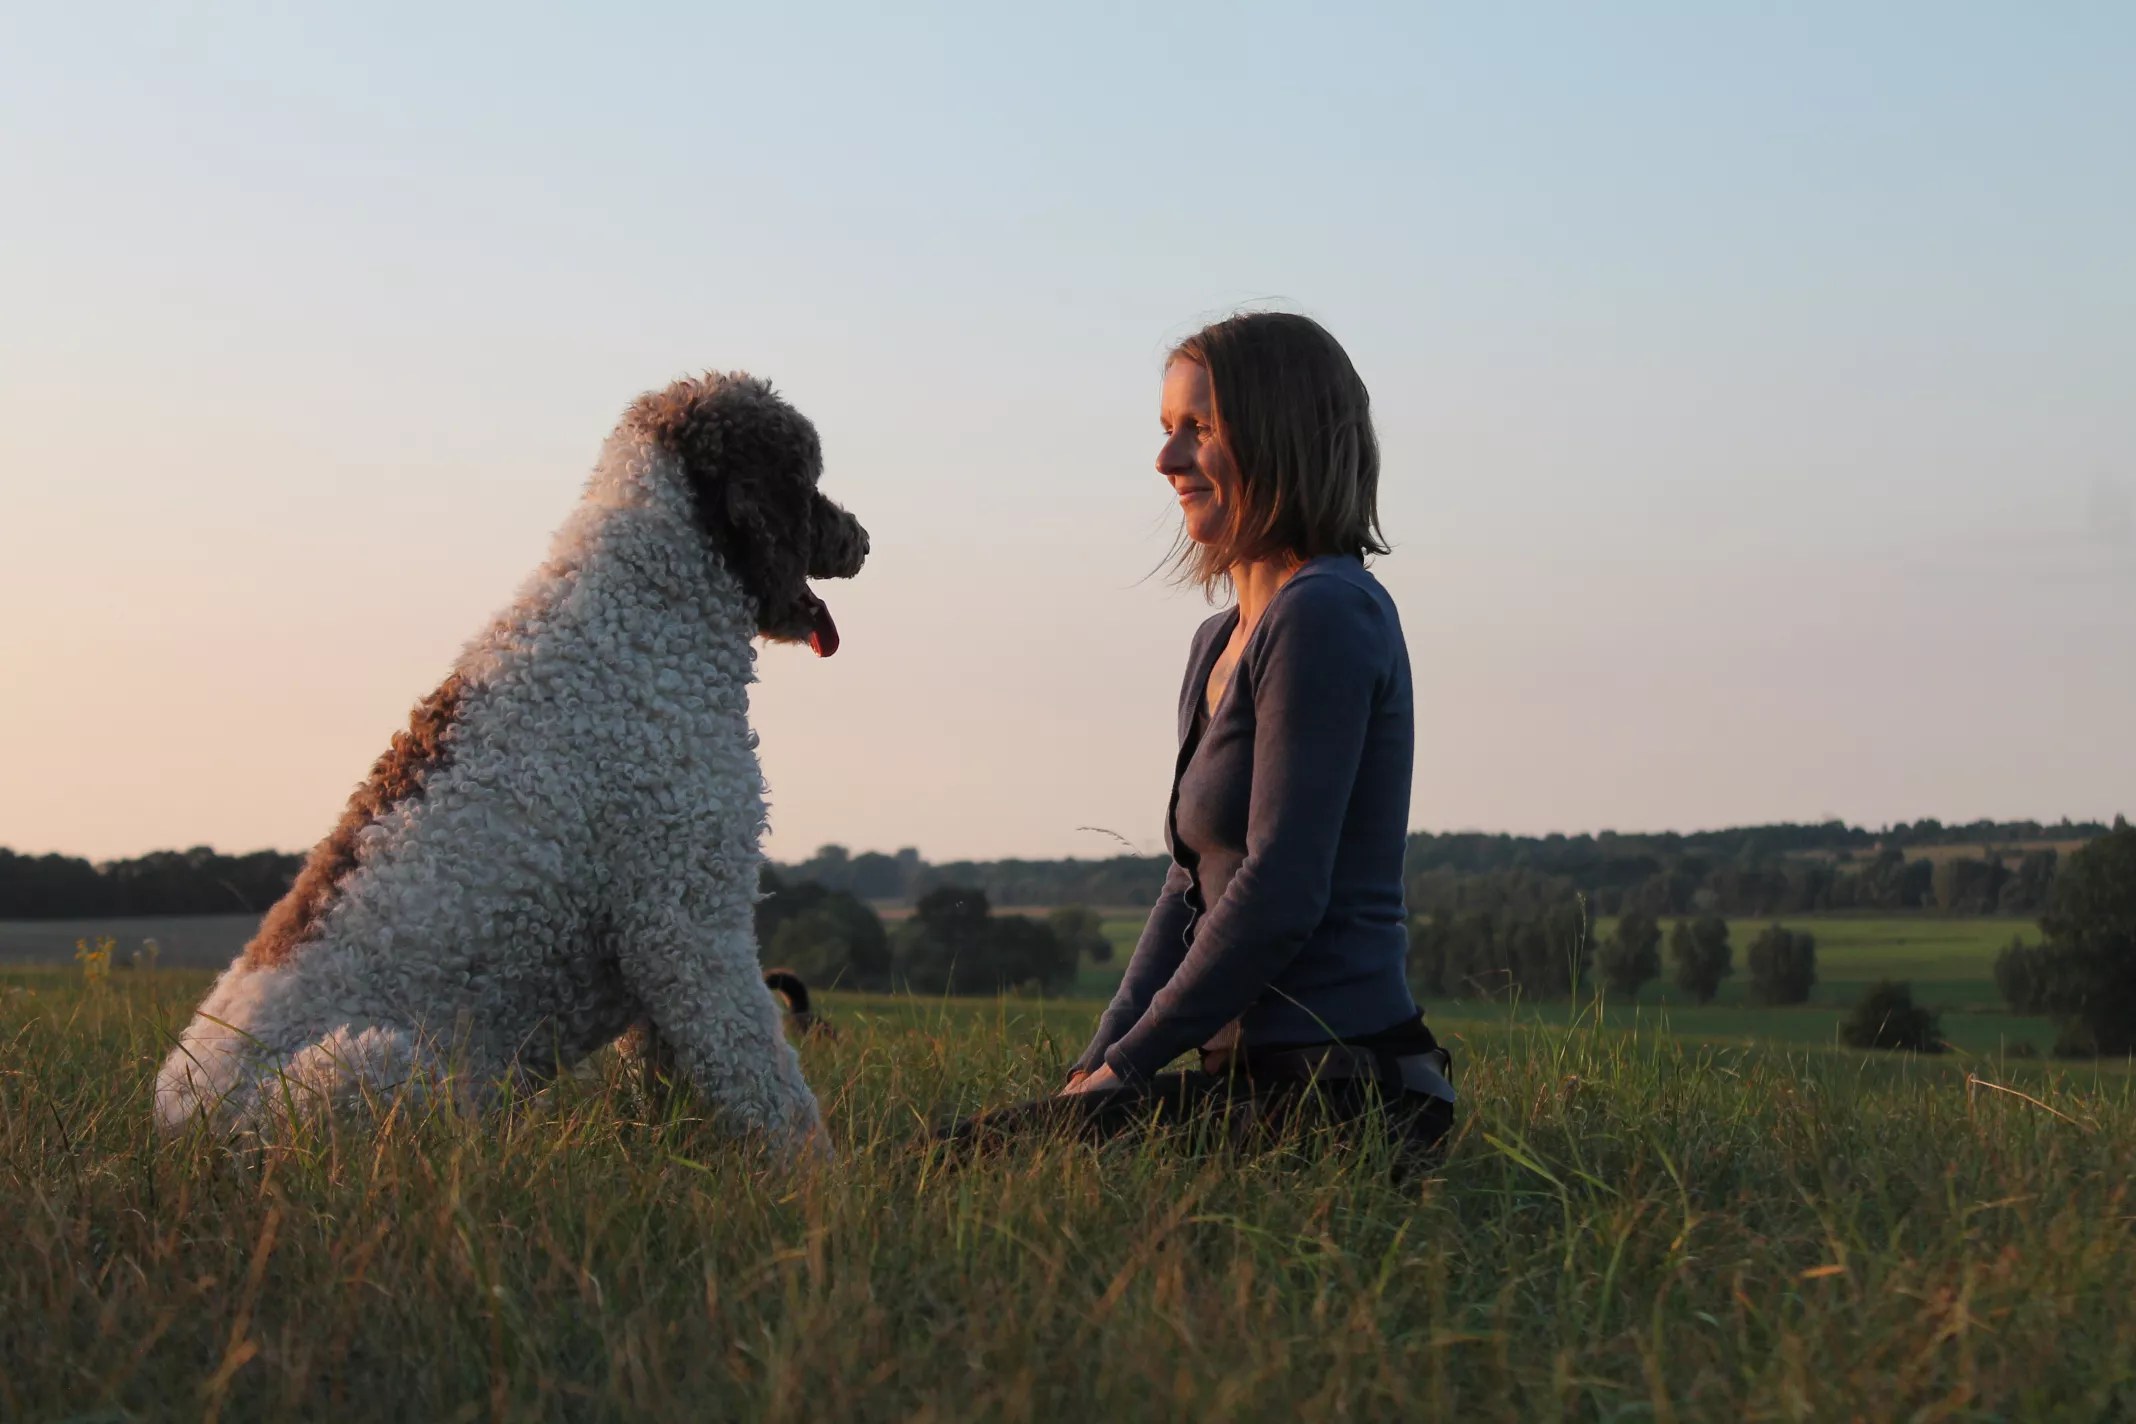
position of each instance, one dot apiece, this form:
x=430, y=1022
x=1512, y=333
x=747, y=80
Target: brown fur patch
x=395, y=776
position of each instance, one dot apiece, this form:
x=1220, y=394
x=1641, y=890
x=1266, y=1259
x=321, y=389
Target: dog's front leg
x=704, y=994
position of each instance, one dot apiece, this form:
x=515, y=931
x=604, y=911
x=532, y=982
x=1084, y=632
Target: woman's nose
x=1173, y=458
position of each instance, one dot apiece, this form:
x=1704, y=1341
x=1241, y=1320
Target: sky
x=1756, y=384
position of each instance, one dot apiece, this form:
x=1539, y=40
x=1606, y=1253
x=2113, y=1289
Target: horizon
x=1752, y=391
x=1954, y=828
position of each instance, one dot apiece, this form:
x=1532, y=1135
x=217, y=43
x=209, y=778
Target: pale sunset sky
x=1757, y=387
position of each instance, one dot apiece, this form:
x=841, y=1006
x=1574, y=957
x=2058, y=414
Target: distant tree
x=828, y=937
x=1771, y=871
x=1969, y=885
x=875, y=876
x=199, y=881
x=1538, y=948
x=1892, y=882
x=1881, y=879
x=1081, y=932
x=1458, y=955
x=1783, y=966
x=812, y=945
x=954, y=943
x=944, y=941
x=1632, y=954
x=1887, y=1017
x=1026, y=955
x=871, y=875
x=1700, y=951
x=1427, y=955
x=2029, y=887
x=1916, y=884
x=2084, y=975
x=1478, y=964
x=1554, y=949
x=2028, y=976
x=34, y=887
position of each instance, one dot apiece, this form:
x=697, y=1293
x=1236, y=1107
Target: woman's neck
x=1256, y=583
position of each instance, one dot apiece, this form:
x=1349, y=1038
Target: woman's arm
x=1164, y=938
x=1156, y=958
x=1315, y=683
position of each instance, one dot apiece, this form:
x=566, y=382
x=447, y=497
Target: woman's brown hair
x=1296, y=421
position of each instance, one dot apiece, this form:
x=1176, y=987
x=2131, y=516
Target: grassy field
x=182, y=941
x=1948, y=961
x=1629, y=1225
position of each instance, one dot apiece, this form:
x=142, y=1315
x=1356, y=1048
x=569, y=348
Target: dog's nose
x=841, y=544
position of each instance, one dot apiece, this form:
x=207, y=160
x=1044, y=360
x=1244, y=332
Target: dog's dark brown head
x=752, y=462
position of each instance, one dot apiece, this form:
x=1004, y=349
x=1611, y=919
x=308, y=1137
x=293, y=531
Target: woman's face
x=1203, y=479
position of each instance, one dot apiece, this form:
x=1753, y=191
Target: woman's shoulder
x=1336, y=591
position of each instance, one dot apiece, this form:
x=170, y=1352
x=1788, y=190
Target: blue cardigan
x=1289, y=817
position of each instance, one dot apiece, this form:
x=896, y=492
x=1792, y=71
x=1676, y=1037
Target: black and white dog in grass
x=564, y=843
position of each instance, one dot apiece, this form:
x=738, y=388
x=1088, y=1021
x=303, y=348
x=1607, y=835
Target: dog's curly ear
x=762, y=531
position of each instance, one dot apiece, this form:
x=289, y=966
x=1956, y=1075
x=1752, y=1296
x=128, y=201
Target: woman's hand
x=1080, y=1082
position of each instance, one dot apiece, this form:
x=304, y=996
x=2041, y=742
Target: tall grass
x=1626, y=1226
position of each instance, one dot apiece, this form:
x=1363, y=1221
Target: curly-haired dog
x=565, y=840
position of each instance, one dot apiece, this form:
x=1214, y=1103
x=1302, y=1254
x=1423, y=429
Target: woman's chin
x=1206, y=529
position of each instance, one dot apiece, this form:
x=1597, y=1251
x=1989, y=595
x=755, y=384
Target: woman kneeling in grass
x=1278, y=944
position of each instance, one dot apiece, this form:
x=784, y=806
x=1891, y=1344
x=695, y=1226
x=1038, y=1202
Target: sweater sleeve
x=1157, y=955
x=1314, y=681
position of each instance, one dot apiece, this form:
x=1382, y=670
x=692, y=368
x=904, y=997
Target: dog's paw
x=806, y=1141
x=816, y=1150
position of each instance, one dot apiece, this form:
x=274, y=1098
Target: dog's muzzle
x=838, y=550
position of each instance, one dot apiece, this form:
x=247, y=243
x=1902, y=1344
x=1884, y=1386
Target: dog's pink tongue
x=824, y=636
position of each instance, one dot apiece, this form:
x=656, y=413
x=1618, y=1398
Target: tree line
x=1754, y=871
x=1751, y=871
x=904, y=877
x=1657, y=876
x=199, y=881
x=1494, y=915
x=952, y=943
x=1551, y=951
x=1524, y=932
x=2083, y=973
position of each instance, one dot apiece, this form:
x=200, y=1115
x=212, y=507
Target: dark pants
x=1231, y=1109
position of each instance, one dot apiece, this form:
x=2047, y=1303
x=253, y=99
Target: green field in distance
x=1948, y=960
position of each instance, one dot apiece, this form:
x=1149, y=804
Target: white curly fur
x=586, y=856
